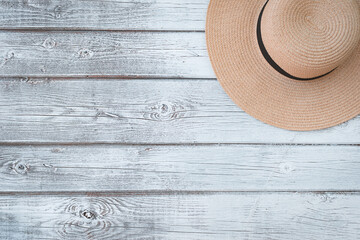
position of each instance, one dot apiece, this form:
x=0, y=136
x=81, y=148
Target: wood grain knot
x=165, y=111
x=9, y=55
x=103, y=218
x=85, y=53
x=20, y=168
x=88, y=214
x=49, y=43
x=58, y=12
x=87, y=219
x=286, y=168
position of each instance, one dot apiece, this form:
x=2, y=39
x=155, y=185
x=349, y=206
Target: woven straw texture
x=306, y=38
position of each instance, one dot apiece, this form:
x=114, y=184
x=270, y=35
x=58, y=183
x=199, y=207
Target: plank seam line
x=2, y=144
x=174, y=193
x=97, y=78
x=50, y=29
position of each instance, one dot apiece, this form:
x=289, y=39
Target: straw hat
x=294, y=64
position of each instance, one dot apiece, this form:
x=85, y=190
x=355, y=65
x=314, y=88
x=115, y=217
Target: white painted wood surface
x=113, y=126
x=179, y=168
x=139, y=111
x=257, y=216
x=184, y=15
x=102, y=53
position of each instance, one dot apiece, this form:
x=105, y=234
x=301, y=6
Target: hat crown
x=310, y=38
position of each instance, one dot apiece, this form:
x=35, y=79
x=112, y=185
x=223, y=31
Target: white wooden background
x=113, y=126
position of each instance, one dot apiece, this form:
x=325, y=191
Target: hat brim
x=261, y=91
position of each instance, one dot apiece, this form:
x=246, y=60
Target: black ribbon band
x=270, y=60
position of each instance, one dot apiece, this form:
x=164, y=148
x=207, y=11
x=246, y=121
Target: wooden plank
x=179, y=168
x=139, y=112
x=221, y=216
x=184, y=15
x=119, y=54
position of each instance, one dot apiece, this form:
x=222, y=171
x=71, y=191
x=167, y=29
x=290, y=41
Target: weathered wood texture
x=139, y=111
x=135, y=54
x=180, y=184
x=179, y=168
x=222, y=216
x=184, y=15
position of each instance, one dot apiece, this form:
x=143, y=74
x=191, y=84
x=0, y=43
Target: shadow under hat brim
x=264, y=93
